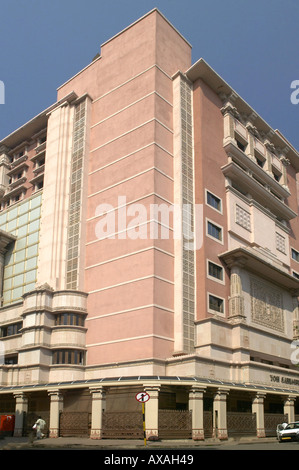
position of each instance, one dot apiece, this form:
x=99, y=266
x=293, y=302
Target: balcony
x=19, y=161
x=255, y=167
x=18, y=169
x=255, y=261
x=246, y=182
x=265, y=177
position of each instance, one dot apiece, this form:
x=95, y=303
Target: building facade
x=149, y=242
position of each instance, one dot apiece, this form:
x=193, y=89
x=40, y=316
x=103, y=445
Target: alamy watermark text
x=2, y=92
x=295, y=93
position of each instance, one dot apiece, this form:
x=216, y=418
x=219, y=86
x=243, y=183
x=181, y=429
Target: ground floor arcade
x=178, y=407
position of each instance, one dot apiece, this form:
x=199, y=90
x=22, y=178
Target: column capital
x=222, y=391
x=20, y=396
x=55, y=395
x=97, y=389
x=197, y=390
x=259, y=396
x=154, y=387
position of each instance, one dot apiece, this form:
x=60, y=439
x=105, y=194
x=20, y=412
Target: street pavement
x=73, y=443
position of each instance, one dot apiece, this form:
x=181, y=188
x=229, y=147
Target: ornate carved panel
x=266, y=304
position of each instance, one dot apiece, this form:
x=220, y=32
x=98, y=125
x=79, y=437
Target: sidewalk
x=73, y=443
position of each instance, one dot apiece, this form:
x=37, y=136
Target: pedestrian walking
x=39, y=426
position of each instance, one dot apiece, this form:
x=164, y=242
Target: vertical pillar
x=152, y=412
x=56, y=406
x=236, y=299
x=219, y=414
x=258, y=409
x=229, y=113
x=196, y=406
x=97, y=408
x=21, y=410
x=289, y=408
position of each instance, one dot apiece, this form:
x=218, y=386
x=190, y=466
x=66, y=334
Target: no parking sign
x=142, y=397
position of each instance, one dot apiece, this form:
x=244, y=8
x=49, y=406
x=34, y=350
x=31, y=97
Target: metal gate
x=241, y=424
x=271, y=422
x=75, y=424
x=122, y=425
x=208, y=424
x=175, y=424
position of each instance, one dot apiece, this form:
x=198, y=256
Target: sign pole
x=143, y=397
x=143, y=417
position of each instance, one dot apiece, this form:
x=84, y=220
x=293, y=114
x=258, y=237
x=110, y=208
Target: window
x=295, y=255
x=260, y=162
x=276, y=174
x=214, y=201
x=280, y=243
x=69, y=319
x=11, y=360
x=216, y=304
x=68, y=356
x=214, y=231
x=243, y=217
x=215, y=271
x=241, y=146
x=10, y=330
x=296, y=275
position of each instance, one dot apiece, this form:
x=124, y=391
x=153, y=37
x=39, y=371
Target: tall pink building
x=150, y=243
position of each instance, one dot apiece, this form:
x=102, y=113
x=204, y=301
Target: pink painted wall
x=209, y=157
x=130, y=282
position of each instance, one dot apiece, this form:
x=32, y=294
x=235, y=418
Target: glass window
x=214, y=231
x=215, y=271
x=215, y=303
x=69, y=319
x=10, y=330
x=295, y=255
x=213, y=201
x=68, y=356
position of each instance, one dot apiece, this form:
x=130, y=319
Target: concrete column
x=4, y=168
x=289, y=408
x=21, y=410
x=56, y=406
x=258, y=409
x=97, y=408
x=152, y=412
x=236, y=299
x=219, y=414
x=196, y=406
x=229, y=113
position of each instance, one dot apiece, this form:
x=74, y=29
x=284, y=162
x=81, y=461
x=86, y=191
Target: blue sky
x=252, y=44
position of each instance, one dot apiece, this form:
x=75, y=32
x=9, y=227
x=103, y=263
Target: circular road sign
x=142, y=397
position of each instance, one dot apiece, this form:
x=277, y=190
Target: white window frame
x=220, y=281
x=215, y=312
x=293, y=259
x=218, y=226
x=209, y=205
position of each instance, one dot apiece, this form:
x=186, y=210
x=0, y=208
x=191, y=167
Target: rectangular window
x=214, y=201
x=295, y=255
x=243, y=217
x=10, y=330
x=215, y=231
x=280, y=243
x=215, y=270
x=296, y=275
x=216, y=304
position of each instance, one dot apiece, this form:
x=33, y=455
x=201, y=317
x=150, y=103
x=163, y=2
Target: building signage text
x=284, y=380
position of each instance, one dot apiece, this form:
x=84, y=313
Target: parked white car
x=289, y=432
